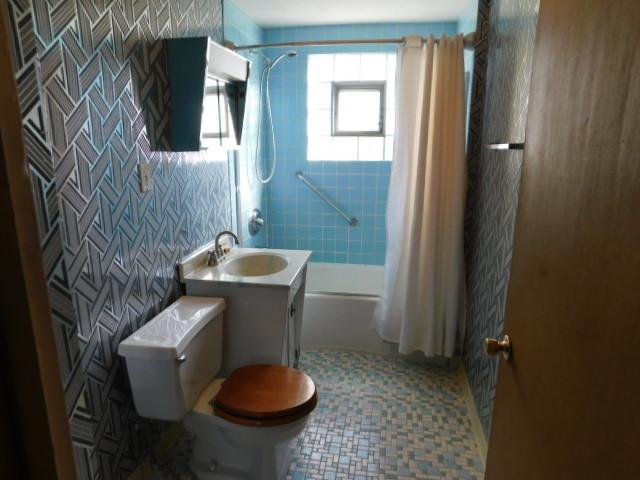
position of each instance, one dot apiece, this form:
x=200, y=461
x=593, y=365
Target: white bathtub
x=338, y=307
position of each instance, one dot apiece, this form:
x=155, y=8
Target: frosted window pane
x=210, y=117
x=319, y=95
x=320, y=148
x=319, y=123
x=344, y=148
x=320, y=68
x=347, y=67
x=373, y=67
x=371, y=148
x=323, y=69
x=390, y=122
x=388, y=147
x=391, y=93
x=391, y=67
x=358, y=111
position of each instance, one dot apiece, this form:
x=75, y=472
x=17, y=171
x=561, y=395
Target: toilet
x=243, y=425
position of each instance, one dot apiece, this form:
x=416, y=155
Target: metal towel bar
x=352, y=221
x=504, y=146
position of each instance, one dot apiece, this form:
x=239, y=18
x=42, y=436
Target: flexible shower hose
x=266, y=72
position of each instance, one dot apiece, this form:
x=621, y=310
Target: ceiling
x=283, y=13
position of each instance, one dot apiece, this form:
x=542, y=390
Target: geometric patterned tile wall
x=494, y=181
x=84, y=70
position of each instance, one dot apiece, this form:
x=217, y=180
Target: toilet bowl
x=243, y=425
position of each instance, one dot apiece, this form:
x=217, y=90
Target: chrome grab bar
x=352, y=221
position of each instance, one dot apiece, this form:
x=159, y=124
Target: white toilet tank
x=172, y=358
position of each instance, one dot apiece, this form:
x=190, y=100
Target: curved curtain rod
x=468, y=40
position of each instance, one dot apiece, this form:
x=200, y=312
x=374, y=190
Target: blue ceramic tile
x=360, y=188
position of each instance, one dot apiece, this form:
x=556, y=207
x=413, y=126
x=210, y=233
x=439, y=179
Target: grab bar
x=352, y=221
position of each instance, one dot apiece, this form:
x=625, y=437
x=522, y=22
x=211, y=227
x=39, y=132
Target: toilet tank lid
x=168, y=333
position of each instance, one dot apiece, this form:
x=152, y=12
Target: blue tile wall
x=296, y=217
x=241, y=30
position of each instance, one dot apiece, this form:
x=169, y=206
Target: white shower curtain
x=422, y=305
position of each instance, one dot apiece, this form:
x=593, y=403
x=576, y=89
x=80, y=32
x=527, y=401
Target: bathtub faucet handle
x=256, y=222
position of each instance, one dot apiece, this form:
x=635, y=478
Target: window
x=217, y=124
x=214, y=115
x=350, y=106
x=357, y=109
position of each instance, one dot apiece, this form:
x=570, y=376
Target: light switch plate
x=144, y=170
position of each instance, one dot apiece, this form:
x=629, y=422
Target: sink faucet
x=217, y=253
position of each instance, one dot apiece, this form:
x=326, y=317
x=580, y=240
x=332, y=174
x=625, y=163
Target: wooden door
x=568, y=402
x=35, y=440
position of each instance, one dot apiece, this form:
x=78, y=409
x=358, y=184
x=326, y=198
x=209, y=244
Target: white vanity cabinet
x=263, y=318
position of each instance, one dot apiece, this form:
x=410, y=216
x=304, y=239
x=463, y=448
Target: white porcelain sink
x=247, y=266
x=254, y=264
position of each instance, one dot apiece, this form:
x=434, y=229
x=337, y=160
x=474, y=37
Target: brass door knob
x=493, y=346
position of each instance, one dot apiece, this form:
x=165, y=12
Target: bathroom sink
x=247, y=266
x=254, y=264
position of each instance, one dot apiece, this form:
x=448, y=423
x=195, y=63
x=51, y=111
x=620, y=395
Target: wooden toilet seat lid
x=262, y=392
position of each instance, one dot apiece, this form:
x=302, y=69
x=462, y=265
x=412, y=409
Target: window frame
x=337, y=86
x=217, y=91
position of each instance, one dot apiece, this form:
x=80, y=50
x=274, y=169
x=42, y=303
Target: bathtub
x=338, y=307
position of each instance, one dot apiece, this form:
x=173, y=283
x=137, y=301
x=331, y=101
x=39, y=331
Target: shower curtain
x=422, y=304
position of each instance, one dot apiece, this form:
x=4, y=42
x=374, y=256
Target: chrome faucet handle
x=218, y=249
x=212, y=258
x=222, y=234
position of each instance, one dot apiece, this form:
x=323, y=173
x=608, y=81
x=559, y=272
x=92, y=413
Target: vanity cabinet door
x=289, y=350
x=293, y=333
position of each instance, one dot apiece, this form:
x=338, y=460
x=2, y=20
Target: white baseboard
x=476, y=425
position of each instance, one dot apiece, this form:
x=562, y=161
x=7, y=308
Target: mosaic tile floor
x=377, y=418
x=384, y=418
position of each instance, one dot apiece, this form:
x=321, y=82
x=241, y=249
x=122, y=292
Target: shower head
x=291, y=53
